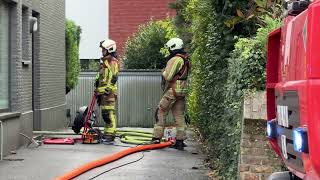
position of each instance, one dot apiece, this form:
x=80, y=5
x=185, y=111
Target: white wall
x=92, y=16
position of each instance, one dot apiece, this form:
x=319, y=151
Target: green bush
x=269, y=24
x=142, y=51
x=208, y=107
x=72, y=54
x=222, y=70
x=247, y=65
x=89, y=65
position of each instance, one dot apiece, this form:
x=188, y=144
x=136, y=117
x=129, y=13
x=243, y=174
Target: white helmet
x=109, y=45
x=174, y=44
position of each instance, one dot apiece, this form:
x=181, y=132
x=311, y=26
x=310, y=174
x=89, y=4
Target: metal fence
x=139, y=93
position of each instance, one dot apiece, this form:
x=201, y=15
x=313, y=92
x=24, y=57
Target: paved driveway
x=49, y=161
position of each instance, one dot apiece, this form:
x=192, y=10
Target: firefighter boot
x=179, y=145
x=108, y=138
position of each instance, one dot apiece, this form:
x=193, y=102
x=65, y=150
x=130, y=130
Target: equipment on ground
x=85, y=119
x=80, y=118
x=65, y=141
x=293, y=86
x=90, y=135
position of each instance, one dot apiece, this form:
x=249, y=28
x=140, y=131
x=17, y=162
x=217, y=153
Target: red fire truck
x=293, y=90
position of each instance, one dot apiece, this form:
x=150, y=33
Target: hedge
x=72, y=54
x=142, y=50
x=227, y=60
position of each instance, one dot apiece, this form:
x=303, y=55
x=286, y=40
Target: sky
x=92, y=17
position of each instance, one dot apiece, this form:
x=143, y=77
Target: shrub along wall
x=228, y=59
x=72, y=54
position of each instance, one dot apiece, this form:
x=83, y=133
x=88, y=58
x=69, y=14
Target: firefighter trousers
x=108, y=108
x=177, y=106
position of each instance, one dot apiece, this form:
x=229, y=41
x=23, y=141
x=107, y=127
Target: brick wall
x=49, y=70
x=26, y=71
x=52, y=53
x=49, y=62
x=257, y=159
x=51, y=65
x=15, y=56
x=126, y=16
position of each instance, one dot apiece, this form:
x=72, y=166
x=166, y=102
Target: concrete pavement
x=49, y=161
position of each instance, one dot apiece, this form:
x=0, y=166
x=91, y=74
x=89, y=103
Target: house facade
x=114, y=19
x=125, y=17
x=32, y=69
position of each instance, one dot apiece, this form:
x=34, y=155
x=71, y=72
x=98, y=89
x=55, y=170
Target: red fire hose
x=110, y=158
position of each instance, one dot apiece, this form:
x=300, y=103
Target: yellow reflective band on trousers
x=108, y=107
x=111, y=128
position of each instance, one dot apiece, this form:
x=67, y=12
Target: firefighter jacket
x=176, y=74
x=108, y=75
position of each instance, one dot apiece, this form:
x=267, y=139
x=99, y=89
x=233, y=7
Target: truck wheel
x=280, y=176
x=294, y=177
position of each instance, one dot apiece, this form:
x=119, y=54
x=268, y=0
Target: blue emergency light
x=300, y=140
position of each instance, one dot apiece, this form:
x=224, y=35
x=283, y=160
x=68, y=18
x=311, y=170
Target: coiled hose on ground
x=134, y=136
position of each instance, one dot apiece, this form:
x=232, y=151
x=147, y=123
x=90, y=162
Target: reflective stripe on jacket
x=173, y=67
x=108, y=70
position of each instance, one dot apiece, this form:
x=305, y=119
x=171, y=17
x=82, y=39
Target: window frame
x=7, y=109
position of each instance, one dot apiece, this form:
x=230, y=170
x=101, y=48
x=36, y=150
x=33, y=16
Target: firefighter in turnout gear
x=106, y=87
x=175, y=74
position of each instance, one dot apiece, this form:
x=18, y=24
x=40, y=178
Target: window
x=4, y=56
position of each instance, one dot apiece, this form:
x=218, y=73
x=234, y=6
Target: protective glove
x=107, y=91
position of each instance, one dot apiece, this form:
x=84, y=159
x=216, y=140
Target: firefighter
x=175, y=74
x=106, y=86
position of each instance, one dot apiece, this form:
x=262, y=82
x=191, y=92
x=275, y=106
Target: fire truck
x=293, y=90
